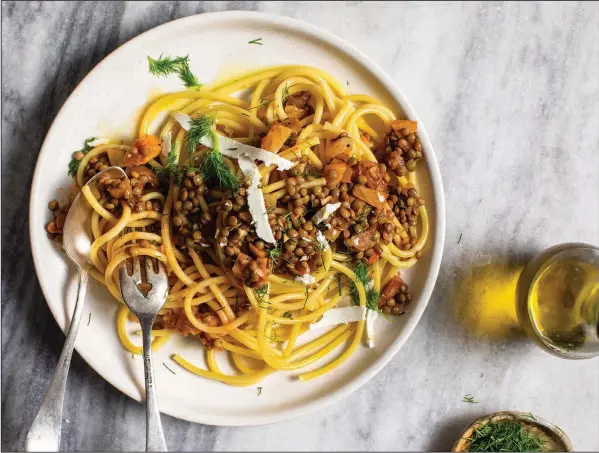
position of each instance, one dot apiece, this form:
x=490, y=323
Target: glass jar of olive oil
x=558, y=300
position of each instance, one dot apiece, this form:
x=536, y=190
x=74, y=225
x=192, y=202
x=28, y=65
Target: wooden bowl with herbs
x=512, y=431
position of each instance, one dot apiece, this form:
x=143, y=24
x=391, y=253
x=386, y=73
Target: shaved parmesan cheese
x=371, y=316
x=324, y=244
x=183, y=119
x=256, y=200
x=325, y=213
x=98, y=142
x=166, y=145
x=306, y=279
x=248, y=168
x=231, y=148
x=234, y=149
x=343, y=315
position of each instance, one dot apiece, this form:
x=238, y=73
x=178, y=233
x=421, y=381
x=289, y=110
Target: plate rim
x=437, y=189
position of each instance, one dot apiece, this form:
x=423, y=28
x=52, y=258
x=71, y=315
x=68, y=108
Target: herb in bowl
x=504, y=435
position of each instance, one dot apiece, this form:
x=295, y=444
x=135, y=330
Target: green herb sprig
x=263, y=103
x=469, y=399
x=256, y=41
x=275, y=254
x=213, y=165
x=74, y=163
x=172, y=167
x=164, y=66
x=261, y=294
x=504, y=435
x=285, y=93
x=372, y=295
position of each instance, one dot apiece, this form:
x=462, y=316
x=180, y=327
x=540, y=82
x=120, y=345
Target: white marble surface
x=509, y=94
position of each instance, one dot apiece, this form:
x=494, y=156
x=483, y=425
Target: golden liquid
x=563, y=303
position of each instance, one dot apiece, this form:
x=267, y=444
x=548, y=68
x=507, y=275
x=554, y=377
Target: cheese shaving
x=325, y=213
x=306, y=279
x=183, y=119
x=234, y=149
x=343, y=315
x=256, y=200
x=322, y=241
x=166, y=145
x=371, y=316
x=98, y=142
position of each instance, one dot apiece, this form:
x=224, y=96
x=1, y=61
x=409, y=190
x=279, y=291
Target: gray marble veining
x=509, y=93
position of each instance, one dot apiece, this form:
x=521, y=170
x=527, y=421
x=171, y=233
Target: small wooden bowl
x=556, y=438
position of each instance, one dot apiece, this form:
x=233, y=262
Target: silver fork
x=146, y=308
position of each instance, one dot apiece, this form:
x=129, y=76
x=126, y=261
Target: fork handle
x=45, y=431
x=154, y=436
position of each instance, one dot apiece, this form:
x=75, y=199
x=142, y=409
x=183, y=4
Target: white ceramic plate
x=108, y=103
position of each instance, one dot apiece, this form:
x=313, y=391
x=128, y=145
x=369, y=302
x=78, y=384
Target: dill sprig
x=171, y=168
x=263, y=103
x=372, y=295
x=504, y=435
x=213, y=165
x=198, y=129
x=188, y=78
x=275, y=254
x=285, y=94
x=256, y=41
x=469, y=399
x=288, y=315
x=74, y=163
x=261, y=293
x=164, y=66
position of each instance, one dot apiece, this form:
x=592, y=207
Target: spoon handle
x=44, y=434
x=154, y=436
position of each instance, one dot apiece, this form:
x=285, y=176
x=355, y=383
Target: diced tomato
x=391, y=289
x=336, y=171
x=411, y=126
x=276, y=137
x=363, y=241
x=335, y=148
x=370, y=196
x=373, y=258
x=373, y=175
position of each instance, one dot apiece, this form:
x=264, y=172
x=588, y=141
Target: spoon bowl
x=77, y=235
x=45, y=431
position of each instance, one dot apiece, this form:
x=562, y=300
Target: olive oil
x=559, y=304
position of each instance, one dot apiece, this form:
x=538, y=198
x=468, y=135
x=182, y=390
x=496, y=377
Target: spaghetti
x=257, y=252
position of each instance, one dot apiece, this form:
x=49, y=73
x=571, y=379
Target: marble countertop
x=509, y=94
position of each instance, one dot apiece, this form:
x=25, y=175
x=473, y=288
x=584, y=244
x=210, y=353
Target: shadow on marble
x=445, y=436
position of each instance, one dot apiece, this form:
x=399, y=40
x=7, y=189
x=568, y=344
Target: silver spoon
x=44, y=433
x=146, y=307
